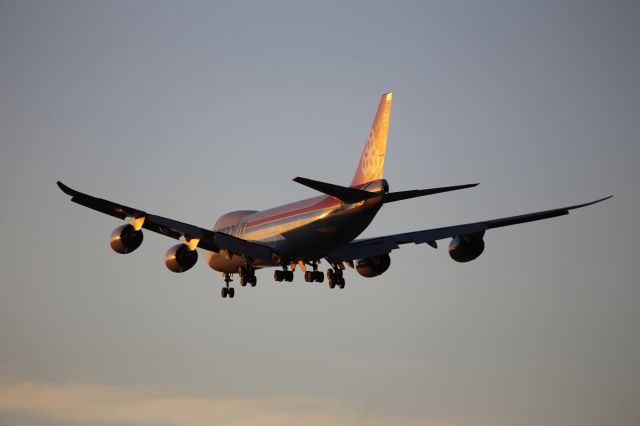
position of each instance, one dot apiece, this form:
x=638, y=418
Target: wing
x=360, y=249
x=209, y=240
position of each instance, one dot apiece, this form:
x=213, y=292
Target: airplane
x=304, y=233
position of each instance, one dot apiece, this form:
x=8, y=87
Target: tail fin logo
x=371, y=163
x=372, y=158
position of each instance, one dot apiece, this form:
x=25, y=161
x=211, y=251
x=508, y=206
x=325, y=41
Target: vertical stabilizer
x=371, y=162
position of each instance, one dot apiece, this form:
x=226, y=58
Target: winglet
x=589, y=203
x=65, y=189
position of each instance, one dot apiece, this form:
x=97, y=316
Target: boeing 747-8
x=304, y=233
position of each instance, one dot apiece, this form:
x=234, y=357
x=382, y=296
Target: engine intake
x=466, y=248
x=180, y=259
x=373, y=266
x=125, y=239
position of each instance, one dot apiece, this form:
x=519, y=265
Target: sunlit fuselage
x=304, y=230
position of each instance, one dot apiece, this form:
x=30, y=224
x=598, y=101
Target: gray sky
x=192, y=109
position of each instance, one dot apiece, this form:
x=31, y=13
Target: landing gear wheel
x=332, y=284
x=231, y=292
x=341, y=282
x=288, y=276
x=224, y=292
x=253, y=281
x=318, y=276
x=278, y=275
x=308, y=276
x=329, y=275
x=247, y=274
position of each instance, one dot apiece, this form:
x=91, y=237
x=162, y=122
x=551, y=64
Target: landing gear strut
x=226, y=290
x=335, y=278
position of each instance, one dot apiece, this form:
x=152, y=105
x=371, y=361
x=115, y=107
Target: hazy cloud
x=81, y=403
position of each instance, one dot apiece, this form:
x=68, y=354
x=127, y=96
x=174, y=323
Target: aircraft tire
x=329, y=274
x=253, y=281
x=231, y=293
x=223, y=292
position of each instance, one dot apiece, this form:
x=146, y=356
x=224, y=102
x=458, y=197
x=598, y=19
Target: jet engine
x=125, y=239
x=465, y=248
x=179, y=258
x=373, y=266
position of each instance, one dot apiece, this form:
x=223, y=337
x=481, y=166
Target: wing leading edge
x=209, y=240
x=379, y=246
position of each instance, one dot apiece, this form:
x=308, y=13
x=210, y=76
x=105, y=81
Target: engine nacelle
x=373, y=266
x=466, y=248
x=125, y=239
x=179, y=258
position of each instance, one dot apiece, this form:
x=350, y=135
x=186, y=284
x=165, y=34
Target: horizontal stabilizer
x=405, y=195
x=342, y=193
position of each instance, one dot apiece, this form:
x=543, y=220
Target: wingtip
x=591, y=203
x=469, y=185
x=599, y=200
x=64, y=188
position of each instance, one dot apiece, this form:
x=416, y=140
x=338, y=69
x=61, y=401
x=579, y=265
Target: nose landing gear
x=226, y=290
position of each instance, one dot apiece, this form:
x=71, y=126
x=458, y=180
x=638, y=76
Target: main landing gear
x=247, y=276
x=335, y=278
x=334, y=275
x=226, y=290
x=315, y=275
x=283, y=275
